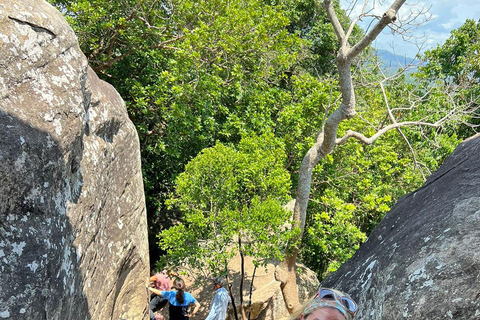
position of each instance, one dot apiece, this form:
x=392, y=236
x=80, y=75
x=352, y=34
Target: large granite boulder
x=73, y=233
x=423, y=260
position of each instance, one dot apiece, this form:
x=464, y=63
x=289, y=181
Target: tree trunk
x=232, y=297
x=242, y=277
x=250, y=294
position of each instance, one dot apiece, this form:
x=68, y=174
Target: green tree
x=232, y=199
x=456, y=63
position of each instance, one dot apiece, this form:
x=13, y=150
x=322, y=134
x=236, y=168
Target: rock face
x=423, y=260
x=73, y=233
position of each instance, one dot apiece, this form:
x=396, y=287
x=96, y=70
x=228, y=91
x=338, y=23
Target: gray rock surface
x=73, y=233
x=423, y=260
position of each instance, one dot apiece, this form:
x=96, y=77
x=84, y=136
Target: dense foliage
x=215, y=75
x=456, y=63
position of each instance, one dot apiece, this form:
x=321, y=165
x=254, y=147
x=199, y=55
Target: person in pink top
x=161, y=282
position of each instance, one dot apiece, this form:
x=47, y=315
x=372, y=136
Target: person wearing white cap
x=218, y=308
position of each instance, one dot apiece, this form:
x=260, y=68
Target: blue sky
x=443, y=15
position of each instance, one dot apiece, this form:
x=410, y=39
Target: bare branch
x=356, y=19
x=389, y=16
x=368, y=141
x=392, y=118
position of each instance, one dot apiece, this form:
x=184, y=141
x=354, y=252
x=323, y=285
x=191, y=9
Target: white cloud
x=449, y=25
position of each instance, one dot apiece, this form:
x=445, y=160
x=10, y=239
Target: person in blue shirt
x=218, y=308
x=179, y=301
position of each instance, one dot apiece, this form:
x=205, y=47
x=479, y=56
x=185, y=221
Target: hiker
x=328, y=304
x=179, y=301
x=218, y=308
x=161, y=282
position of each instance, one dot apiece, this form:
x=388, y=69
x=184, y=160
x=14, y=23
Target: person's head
x=178, y=284
x=328, y=304
x=218, y=282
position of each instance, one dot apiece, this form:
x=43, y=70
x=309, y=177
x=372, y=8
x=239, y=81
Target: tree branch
x=362, y=138
x=389, y=16
x=337, y=27
x=109, y=63
x=354, y=21
x=392, y=118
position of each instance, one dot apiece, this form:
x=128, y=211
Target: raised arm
x=156, y=291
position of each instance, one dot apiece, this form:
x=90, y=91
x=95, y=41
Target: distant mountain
x=392, y=62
